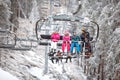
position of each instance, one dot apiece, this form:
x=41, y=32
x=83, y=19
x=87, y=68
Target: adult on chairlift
x=54, y=39
x=85, y=38
x=74, y=43
x=66, y=42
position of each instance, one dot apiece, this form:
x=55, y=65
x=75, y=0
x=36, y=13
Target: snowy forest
x=24, y=57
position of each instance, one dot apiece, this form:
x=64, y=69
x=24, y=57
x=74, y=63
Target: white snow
x=61, y=69
x=70, y=69
x=6, y=76
x=38, y=72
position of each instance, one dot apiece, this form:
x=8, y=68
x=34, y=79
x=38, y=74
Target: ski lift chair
x=22, y=44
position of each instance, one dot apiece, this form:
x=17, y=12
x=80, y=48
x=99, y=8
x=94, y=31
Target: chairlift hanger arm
x=78, y=9
x=97, y=29
x=36, y=26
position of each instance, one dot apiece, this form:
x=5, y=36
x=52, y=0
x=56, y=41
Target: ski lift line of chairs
x=6, y=36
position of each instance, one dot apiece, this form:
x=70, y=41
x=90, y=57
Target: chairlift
x=24, y=42
x=67, y=18
x=91, y=42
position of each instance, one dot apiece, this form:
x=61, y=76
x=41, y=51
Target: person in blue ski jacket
x=74, y=43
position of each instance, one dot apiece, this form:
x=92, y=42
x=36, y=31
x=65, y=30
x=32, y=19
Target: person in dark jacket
x=85, y=38
x=74, y=43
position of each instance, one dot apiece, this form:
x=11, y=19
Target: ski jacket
x=75, y=38
x=66, y=38
x=84, y=36
x=55, y=37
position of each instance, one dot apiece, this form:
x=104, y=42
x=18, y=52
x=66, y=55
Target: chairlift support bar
x=36, y=27
x=97, y=29
x=66, y=18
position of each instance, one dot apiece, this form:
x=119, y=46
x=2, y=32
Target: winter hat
x=66, y=32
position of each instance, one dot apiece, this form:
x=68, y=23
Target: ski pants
x=66, y=45
x=53, y=45
x=75, y=44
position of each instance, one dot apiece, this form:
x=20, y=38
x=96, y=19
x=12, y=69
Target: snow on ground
x=75, y=72
x=38, y=72
x=70, y=69
x=6, y=76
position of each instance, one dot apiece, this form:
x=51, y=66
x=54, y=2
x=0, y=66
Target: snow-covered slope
x=30, y=65
x=6, y=76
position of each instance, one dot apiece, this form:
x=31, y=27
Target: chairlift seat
x=48, y=37
x=48, y=43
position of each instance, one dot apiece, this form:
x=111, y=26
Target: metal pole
x=46, y=60
x=46, y=48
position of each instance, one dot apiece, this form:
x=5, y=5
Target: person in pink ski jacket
x=66, y=42
x=54, y=39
